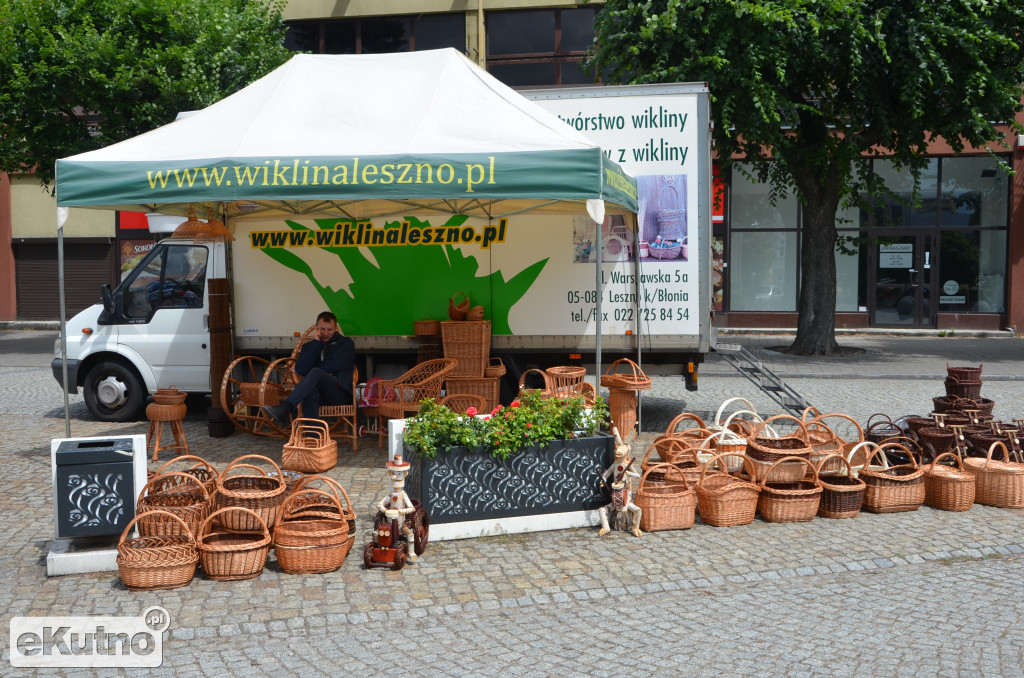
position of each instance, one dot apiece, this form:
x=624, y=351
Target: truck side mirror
x=108, y=299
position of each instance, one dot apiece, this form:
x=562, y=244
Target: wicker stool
x=159, y=415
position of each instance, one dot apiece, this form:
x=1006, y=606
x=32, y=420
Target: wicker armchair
x=423, y=381
x=460, y=402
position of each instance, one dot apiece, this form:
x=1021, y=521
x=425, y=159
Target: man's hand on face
x=326, y=330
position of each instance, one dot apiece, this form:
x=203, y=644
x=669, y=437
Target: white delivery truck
x=541, y=278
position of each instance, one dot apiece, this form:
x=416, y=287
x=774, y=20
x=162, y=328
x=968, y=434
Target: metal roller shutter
x=87, y=266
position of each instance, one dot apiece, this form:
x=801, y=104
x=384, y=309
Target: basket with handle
x=544, y=391
x=678, y=454
x=308, y=540
x=169, y=396
x=190, y=508
x=229, y=554
x=841, y=494
x=201, y=469
x=257, y=492
x=335, y=489
x=963, y=389
x=997, y=483
x=725, y=500
x=725, y=441
x=950, y=488
x=965, y=373
x=858, y=456
x=475, y=313
x=789, y=502
x=877, y=431
x=671, y=221
x=457, y=307
x=156, y=562
x=979, y=442
x=666, y=505
x=694, y=435
x=936, y=440
x=913, y=424
x=627, y=375
x=764, y=451
x=310, y=448
x=892, y=489
x=496, y=368
x=718, y=423
x=565, y=380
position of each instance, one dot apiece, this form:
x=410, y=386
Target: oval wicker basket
x=169, y=396
x=965, y=373
x=259, y=494
x=190, y=506
x=158, y=562
x=310, y=449
x=311, y=541
x=725, y=500
x=233, y=553
x=475, y=313
x=495, y=369
x=630, y=378
x=892, y=489
x=665, y=505
x=201, y=469
x=841, y=495
x=789, y=501
x=949, y=488
x=335, y=489
x=765, y=451
x=678, y=454
x=997, y=483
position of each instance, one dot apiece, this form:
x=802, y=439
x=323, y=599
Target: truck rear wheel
x=113, y=392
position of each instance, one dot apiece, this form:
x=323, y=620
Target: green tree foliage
x=820, y=84
x=77, y=75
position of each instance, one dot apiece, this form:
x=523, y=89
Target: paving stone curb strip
x=922, y=593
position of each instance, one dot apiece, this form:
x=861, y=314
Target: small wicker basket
x=725, y=500
x=157, y=562
x=310, y=448
x=334, y=488
x=665, y=506
x=841, y=495
x=201, y=469
x=233, y=554
x=457, y=308
x=892, y=489
x=308, y=540
x=787, y=501
x=189, y=507
x=949, y=488
x=260, y=494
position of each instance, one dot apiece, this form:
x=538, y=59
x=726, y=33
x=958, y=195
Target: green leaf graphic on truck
x=407, y=282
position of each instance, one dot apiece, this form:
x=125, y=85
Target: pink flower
x=471, y=411
x=528, y=424
x=487, y=417
x=495, y=410
x=515, y=403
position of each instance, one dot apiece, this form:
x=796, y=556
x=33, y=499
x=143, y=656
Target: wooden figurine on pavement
x=398, y=518
x=627, y=514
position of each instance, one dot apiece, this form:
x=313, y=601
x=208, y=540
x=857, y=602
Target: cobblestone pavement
x=922, y=593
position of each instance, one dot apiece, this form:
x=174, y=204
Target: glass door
x=902, y=272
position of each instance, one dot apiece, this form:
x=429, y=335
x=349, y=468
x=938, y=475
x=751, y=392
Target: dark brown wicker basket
x=841, y=494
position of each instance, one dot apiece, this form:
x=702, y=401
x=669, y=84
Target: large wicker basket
x=309, y=541
x=233, y=554
x=841, y=495
x=826, y=442
x=789, y=502
x=189, y=507
x=725, y=500
x=334, y=488
x=200, y=468
x=255, y=491
x=469, y=342
x=892, y=489
x=949, y=488
x=963, y=389
x=998, y=483
x=665, y=505
x=488, y=388
x=765, y=451
x=310, y=448
x=625, y=374
x=156, y=562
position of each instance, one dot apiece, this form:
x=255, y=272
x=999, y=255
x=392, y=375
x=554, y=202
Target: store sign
x=896, y=256
x=947, y=299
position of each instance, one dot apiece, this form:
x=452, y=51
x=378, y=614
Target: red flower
x=515, y=403
x=528, y=424
x=471, y=411
x=495, y=410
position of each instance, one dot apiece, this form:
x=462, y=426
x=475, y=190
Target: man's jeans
x=315, y=388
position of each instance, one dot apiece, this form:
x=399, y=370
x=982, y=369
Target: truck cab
x=151, y=331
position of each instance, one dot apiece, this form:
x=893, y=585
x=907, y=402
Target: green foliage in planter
x=506, y=430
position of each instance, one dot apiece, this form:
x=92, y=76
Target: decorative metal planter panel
x=460, y=484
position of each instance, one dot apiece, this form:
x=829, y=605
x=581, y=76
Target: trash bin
x=94, y=485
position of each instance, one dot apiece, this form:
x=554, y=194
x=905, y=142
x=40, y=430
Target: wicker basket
x=230, y=554
x=718, y=424
x=201, y=469
x=496, y=368
x=765, y=451
x=489, y=388
x=677, y=454
x=334, y=488
x=858, y=456
x=979, y=443
x=965, y=373
x=892, y=489
x=963, y=389
x=825, y=442
x=310, y=448
x=625, y=374
x=469, y=342
x=672, y=252
x=998, y=483
x=169, y=396
x=725, y=500
x=789, y=502
x=914, y=424
x=565, y=380
x=725, y=441
x=475, y=313
x=877, y=431
x=190, y=508
x=947, y=487
x=311, y=541
x=956, y=404
x=544, y=391
x=159, y=562
x=291, y=479
x=841, y=495
x=939, y=440
x=260, y=494
x=665, y=506
x=426, y=328
x=457, y=308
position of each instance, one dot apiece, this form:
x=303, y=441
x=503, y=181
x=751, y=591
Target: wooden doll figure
x=627, y=514
x=397, y=505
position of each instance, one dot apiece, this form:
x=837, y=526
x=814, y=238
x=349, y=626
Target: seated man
x=325, y=365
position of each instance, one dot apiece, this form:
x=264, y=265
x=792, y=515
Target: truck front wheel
x=113, y=392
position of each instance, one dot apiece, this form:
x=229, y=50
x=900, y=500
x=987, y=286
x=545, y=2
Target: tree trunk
x=816, y=324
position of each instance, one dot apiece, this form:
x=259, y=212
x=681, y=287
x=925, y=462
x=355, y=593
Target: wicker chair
x=423, y=381
x=460, y=402
x=343, y=418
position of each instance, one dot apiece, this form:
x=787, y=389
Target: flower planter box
x=461, y=485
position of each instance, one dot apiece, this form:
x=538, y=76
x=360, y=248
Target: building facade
x=949, y=263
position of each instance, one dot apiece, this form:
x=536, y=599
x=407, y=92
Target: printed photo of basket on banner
x=662, y=217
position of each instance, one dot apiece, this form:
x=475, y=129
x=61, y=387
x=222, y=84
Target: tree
x=76, y=75
x=808, y=90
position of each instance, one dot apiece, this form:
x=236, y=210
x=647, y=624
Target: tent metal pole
x=63, y=322
x=597, y=308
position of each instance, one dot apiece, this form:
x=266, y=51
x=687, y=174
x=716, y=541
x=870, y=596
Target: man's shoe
x=278, y=414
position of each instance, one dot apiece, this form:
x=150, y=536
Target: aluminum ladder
x=747, y=364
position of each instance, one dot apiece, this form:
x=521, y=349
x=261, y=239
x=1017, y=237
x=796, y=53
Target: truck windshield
x=171, y=277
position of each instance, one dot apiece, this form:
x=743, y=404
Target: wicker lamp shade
x=200, y=231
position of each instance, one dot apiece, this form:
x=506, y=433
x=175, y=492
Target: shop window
x=340, y=37
x=303, y=37
x=434, y=31
x=763, y=271
x=972, y=271
x=751, y=204
x=851, y=264
x=900, y=210
x=974, y=193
